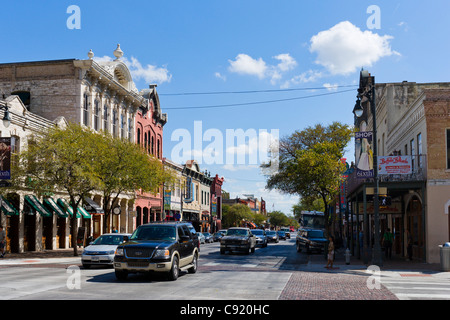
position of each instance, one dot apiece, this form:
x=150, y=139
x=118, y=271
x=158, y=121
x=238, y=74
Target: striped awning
x=51, y=203
x=7, y=208
x=80, y=211
x=37, y=205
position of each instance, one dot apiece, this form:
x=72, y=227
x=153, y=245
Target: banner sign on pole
x=5, y=158
x=364, y=154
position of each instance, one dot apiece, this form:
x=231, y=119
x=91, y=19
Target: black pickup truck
x=158, y=247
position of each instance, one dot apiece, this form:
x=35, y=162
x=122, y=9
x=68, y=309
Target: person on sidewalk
x=2, y=241
x=330, y=253
x=388, y=239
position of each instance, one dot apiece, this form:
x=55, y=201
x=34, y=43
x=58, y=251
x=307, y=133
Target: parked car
x=281, y=235
x=208, y=237
x=168, y=247
x=217, y=236
x=311, y=240
x=261, y=238
x=201, y=237
x=101, y=251
x=223, y=231
x=238, y=239
x=272, y=236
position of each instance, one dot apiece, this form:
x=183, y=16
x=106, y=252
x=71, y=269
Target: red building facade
x=216, y=203
x=149, y=123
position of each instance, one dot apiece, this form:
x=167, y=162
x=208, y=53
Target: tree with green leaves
x=79, y=161
x=121, y=166
x=310, y=163
x=233, y=215
x=58, y=159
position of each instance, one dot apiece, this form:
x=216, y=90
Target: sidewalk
x=46, y=256
x=394, y=264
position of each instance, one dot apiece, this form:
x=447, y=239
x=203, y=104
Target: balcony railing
x=419, y=173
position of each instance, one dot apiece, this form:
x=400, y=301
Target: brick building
x=149, y=123
x=413, y=119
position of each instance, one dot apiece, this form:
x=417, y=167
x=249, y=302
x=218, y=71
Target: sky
x=227, y=70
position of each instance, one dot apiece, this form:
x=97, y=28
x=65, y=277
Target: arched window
x=114, y=123
x=158, y=155
x=139, y=136
x=96, y=115
x=86, y=109
x=105, y=118
x=152, y=147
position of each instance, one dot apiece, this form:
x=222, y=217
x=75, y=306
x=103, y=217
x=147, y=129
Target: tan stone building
x=412, y=119
x=97, y=94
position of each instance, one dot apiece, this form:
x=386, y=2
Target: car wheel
x=193, y=269
x=175, y=270
x=121, y=275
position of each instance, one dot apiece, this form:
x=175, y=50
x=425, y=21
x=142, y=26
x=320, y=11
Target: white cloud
x=220, y=76
x=331, y=87
x=244, y=64
x=287, y=62
x=149, y=73
x=305, y=77
x=344, y=48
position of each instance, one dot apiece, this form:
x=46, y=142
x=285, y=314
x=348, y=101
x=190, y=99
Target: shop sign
x=395, y=165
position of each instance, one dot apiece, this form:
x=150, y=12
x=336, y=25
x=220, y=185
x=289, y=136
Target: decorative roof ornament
x=118, y=53
x=90, y=54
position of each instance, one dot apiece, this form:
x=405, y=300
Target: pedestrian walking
x=2, y=241
x=388, y=239
x=330, y=253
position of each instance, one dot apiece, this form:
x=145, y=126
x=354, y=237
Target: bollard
x=347, y=256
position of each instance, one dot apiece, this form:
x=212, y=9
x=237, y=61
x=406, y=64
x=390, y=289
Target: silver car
x=101, y=251
x=261, y=238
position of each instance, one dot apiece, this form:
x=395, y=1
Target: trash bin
x=445, y=256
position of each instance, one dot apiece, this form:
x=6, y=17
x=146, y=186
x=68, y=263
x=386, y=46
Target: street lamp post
x=366, y=93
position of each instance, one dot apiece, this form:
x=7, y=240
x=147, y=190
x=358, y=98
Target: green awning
x=7, y=208
x=84, y=213
x=80, y=211
x=63, y=203
x=37, y=205
x=51, y=203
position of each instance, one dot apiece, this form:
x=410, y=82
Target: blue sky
x=307, y=53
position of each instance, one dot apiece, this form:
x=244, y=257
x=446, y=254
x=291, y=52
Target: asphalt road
x=261, y=275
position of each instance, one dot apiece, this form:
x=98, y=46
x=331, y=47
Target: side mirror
x=125, y=239
x=184, y=238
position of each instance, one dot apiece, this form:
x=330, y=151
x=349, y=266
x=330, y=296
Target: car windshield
x=315, y=234
x=166, y=233
x=108, y=240
x=206, y=234
x=236, y=232
x=270, y=233
x=258, y=232
x=281, y=232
